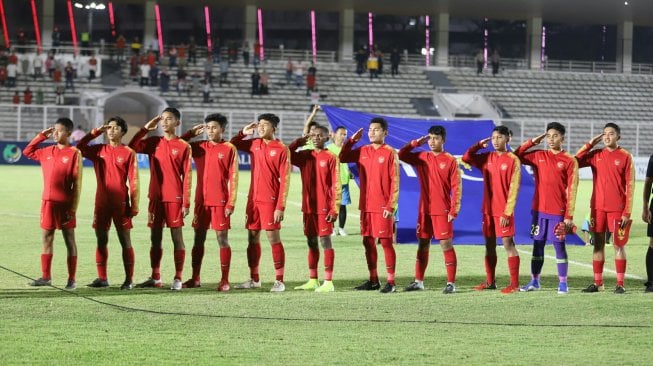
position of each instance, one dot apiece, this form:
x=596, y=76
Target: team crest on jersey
x=443, y=165
x=174, y=152
x=65, y=159
x=323, y=163
x=273, y=153
x=381, y=159
x=120, y=159
x=560, y=165
x=617, y=162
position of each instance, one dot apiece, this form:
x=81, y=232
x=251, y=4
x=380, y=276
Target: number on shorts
x=535, y=230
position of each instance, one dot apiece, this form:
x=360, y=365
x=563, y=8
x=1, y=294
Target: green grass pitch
x=202, y=326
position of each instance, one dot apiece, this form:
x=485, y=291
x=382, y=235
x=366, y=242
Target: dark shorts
x=543, y=226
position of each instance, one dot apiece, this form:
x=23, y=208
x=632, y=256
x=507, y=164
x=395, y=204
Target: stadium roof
x=562, y=11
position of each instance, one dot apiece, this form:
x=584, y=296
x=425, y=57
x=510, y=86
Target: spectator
x=154, y=48
x=224, y=71
x=165, y=80
x=27, y=96
x=181, y=80
x=289, y=70
x=37, y=66
x=3, y=75
x=59, y=94
x=151, y=58
x=39, y=96
x=56, y=75
x=49, y=65
x=310, y=79
x=495, y=59
x=145, y=74
x=192, y=51
x=24, y=65
x=136, y=46
x=395, y=59
x=245, y=51
x=154, y=75
x=75, y=64
x=86, y=43
x=181, y=51
x=69, y=73
x=56, y=39
x=92, y=68
x=373, y=66
x=121, y=44
x=232, y=51
x=16, y=98
x=208, y=70
x=379, y=57
x=13, y=59
x=133, y=67
x=11, y=75
x=256, y=79
x=298, y=71
x=361, y=60
x=480, y=62
x=195, y=81
x=172, y=56
x=257, y=54
x=265, y=79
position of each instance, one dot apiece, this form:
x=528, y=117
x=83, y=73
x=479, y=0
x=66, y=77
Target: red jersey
x=170, y=167
x=378, y=170
x=114, y=167
x=556, y=180
x=320, y=171
x=613, y=179
x=270, y=170
x=439, y=180
x=217, y=172
x=501, y=178
x=62, y=171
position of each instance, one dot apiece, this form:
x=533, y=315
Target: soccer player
x=215, y=195
x=169, y=191
x=62, y=183
x=439, y=202
x=115, y=165
x=266, y=200
x=378, y=167
x=501, y=176
x=339, y=137
x=647, y=215
x=320, y=172
x=556, y=180
x=613, y=175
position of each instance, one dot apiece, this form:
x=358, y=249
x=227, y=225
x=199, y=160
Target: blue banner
x=12, y=153
x=460, y=136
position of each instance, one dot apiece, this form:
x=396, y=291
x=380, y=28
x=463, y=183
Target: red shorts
x=56, y=215
x=317, y=225
x=259, y=216
x=492, y=227
x=375, y=225
x=211, y=215
x=103, y=216
x=436, y=226
x=162, y=214
x=601, y=221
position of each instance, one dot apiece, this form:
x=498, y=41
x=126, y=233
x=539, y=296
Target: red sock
x=329, y=258
x=450, y=262
x=72, y=267
x=279, y=258
x=225, y=263
x=128, y=263
x=46, y=266
x=313, y=259
x=598, y=272
x=490, y=268
x=253, y=259
x=197, y=254
x=180, y=257
x=371, y=257
x=156, y=253
x=390, y=259
x=513, y=269
x=101, y=257
x=421, y=263
x=620, y=266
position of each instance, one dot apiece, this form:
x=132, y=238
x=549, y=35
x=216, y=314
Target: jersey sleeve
x=240, y=142
x=572, y=187
x=526, y=158
x=585, y=156
x=31, y=150
x=472, y=158
x=513, y=188
x=89, y=152
x=336, y=186
x=188, y=176
x=138, y=143
x=348, y=154
x=630, y=185
x=284, y=179
x=649, y=168
x=405, y=154
x=456, y=188
x=296, y=157
x=394, y=181
x=134, y=183
x=77, y=180
x=233, y=178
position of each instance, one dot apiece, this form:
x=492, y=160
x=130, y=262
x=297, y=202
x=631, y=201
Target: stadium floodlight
x=79, y=5
x=101, y=7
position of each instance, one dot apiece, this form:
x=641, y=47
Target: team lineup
x=325, y=194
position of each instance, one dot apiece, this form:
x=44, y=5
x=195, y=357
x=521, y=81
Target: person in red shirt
x=501, y=176
x=556, y=181
x=378, y=168
x=439, y=204
x=321, y=193
x=62, y=184
x=613, y=175
x=169, y=191
x=115, y=166
x=267, y=196
x=27, y=96
x=215, y=194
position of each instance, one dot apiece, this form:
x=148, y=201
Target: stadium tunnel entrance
x=136, y=106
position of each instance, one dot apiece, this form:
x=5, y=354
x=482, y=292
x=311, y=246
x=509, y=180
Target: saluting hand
x=197, y=129
x=485, y=142
x=420, y=141
x=250, y=128
x=48, y=131
x=151, y=125
x=357, y=135
x=537, y=140
x=596, y=139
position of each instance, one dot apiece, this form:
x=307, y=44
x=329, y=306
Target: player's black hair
x=556, y=126
x=174, y=111
x=120, y=122
x=503, y=130
x=272, y=118
x=438, y=130
x=613, y=125
x=217, y=117
x=380, y=121
x=322, y=128
x=66, y=122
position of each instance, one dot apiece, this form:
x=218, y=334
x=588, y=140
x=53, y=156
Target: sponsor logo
x=11, y=153
x=444, y=233
x=120, y=159
x=273, y=153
